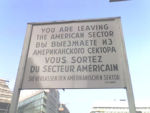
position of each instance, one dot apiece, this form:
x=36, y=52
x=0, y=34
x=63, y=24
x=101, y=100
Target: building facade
x=119, y=107
x=34, y=104
x=5, y=96
x=40, y=102
x=52, y=101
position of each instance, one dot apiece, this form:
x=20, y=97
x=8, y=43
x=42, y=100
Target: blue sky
x=135, y=18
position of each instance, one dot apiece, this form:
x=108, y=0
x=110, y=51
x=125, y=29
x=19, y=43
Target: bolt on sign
x=75, y=54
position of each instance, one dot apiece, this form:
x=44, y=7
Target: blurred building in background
x=40, y=101
x=120, y=106
x=5, y=96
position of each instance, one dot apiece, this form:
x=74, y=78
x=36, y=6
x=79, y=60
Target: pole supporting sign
x=74, y=54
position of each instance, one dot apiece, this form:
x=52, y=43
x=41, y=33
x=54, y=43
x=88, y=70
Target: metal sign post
x=74, y=54
x=20, y=74
x=129, y=90
x=130, y=96
x=131, y=101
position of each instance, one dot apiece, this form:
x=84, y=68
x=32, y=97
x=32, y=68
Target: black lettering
x=107, y=42
x=99, y=58
x=41, y=44
x=86, y=59
x=48, y=30
x=111, y=77
x=55, y=60
x=66, y=29
x=67, y=35
x=93, y=27
x=34, y=69
x=58, y=68
x=104, y=50
x=100, y=34
x=41, y=37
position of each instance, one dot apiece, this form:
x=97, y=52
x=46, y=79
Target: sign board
x=75, y=54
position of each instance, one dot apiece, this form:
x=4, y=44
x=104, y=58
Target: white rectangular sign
x=76, y=54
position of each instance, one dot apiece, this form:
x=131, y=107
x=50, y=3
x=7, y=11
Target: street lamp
x=61, y=108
